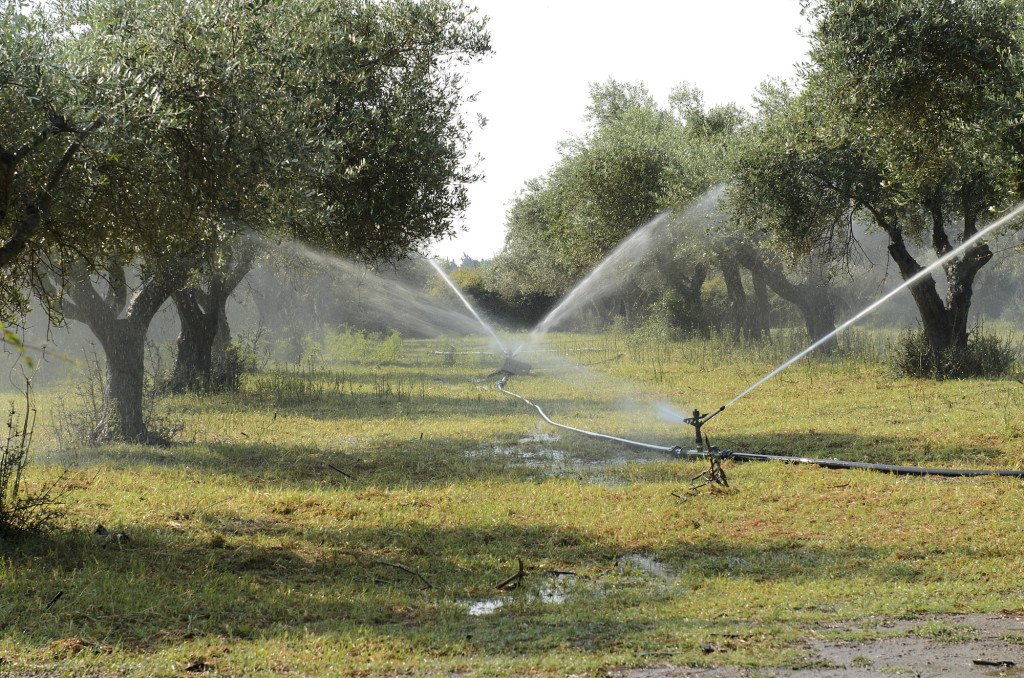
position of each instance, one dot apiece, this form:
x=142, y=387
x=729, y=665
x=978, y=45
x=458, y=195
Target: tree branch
x=150, y=297
x=56, y=124
x=88, y=306
x=32, y=219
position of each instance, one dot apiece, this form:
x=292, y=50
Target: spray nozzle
x=698, y=420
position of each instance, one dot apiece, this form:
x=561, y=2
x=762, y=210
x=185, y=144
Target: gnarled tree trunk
x=810, y=297
x=119, y=321
x=202, y=310
x=944, y=321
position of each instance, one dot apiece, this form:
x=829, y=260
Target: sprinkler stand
x=512, y=367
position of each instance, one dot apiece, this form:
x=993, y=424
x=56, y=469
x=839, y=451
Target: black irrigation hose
x=884, y=468
x=679, y=453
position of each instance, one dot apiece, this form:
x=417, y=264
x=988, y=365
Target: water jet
x=465, y=301
x=641, y=242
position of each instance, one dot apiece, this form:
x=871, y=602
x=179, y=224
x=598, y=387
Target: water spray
x=702, y=446
x=465, y=301
x=1010, y=216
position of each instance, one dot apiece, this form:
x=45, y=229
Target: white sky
x=533, y=90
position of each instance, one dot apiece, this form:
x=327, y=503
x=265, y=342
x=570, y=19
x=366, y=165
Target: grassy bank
x=248, y=554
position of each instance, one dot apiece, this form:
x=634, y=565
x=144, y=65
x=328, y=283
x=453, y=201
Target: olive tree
x=335, y=122
x=637, y=160
x=910, y=117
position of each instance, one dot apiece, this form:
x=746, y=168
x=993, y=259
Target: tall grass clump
x=305, y=383
x=986, y=355
x=355, y=347
x=21, y=511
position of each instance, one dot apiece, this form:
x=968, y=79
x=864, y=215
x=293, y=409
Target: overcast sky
x=533, y=90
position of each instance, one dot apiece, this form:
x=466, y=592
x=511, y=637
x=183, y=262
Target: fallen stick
x=514, y=580
x=335, y=468
x=403, y=568
x=398, y=566
x=54, y=599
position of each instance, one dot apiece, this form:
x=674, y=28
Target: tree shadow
x=242, y=579
x=364, y=404
x=411, y=463
x=531, y=457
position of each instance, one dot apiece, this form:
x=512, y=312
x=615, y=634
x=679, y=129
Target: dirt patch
x=945, y=645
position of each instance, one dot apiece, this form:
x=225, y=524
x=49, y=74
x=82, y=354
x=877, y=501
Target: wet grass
x=250, y=555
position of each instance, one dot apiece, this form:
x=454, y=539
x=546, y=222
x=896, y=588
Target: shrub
x=22, y=512
x=351, y=346
x=986, y=355
x=229, y=365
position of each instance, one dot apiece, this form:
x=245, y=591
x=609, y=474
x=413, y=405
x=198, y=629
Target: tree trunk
x=123, y=417
x=736, y=294
x=945, y=323
x=760, y=317
x=934, y=318
x=205, y=333
x=120, y=323
x=193, y=363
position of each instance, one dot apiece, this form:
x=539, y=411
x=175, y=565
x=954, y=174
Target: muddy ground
x=945, y=645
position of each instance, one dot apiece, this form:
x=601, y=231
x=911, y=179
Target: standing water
x=1010, y=216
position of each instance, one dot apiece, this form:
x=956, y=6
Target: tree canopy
x=637, y=160
x=148, y=125
x=908, y=118
x=155, y=131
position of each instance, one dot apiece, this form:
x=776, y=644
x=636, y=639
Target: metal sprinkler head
x=715, y=474
x=698, y=420
x=512, y=367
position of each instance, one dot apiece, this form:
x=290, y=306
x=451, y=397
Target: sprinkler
x=698, y=420
x=511, y=367
x=715, y=474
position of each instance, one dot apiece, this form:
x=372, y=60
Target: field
x=354, y=514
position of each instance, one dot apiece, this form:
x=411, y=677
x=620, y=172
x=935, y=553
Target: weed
x=986, y=355
x=22, y=511
x=946, y=633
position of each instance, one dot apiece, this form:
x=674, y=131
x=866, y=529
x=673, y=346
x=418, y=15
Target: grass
x=249, y=555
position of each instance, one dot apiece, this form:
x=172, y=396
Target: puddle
x=537, y=452
x=553, y=593
x=644, y=564
x=482, y=607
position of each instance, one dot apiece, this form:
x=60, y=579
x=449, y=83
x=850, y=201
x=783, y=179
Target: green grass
x=250, y=556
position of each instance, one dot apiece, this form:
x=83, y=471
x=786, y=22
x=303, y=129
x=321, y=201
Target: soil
x=944, y=645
